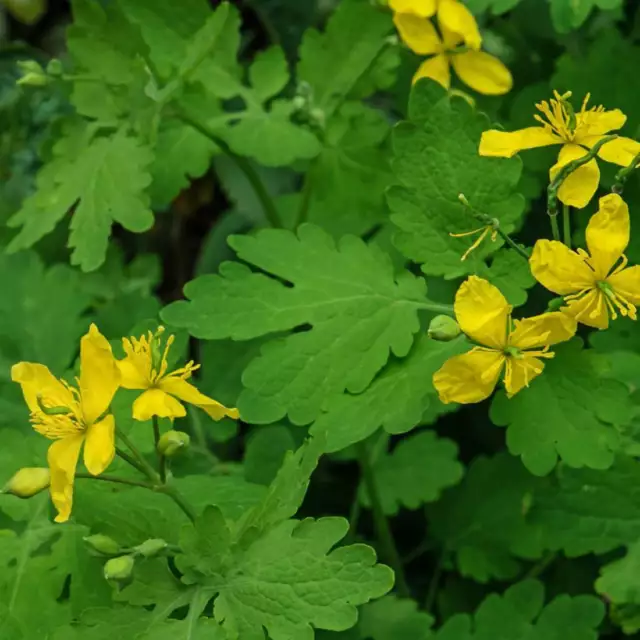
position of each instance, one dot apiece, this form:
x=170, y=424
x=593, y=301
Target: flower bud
x=33, y=74
x=27, y=482
x=102, y=545
x=443, y=328
x=152, y=547
x=555, y=304
x=172, y=442
x=119, y=571
x=54, y=68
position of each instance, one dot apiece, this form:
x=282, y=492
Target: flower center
x=559, y=114
x=615, y=300
x=54, y=421
x=513, y=352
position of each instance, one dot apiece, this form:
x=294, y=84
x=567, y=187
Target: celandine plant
x=300, y=343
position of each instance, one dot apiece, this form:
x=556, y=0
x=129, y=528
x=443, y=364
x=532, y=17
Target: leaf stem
x=243, y=164
x=162, y=461
x=569, y=168
x=305, y=201
x=434, y=583
x=436, y=307
x=142, y=465
x=541, y=566
x=107, y=478
x=555, y=230
x=566, y=224
x=383, y=531
x=179, y=499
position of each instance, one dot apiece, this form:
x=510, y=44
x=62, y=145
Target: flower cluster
x=79, y=416
x=457, y=45
x=596, y=285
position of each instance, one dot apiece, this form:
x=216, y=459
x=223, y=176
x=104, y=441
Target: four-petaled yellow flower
x=577, y=133
x=145, y=367
x=595, y=287
x=517, y=346
x=482, y=72
x=72, y=416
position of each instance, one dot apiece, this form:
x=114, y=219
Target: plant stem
x=381, y=523
x=243, y=164
x=142, y=464
x=540, y=567
x=129, y=460
x=436, y=307
x=623, y=175
x=162, y=461
x=178, y=498
x=434, y=583
x=303, y=209
x=106, y=478
x=566, y=224
x=555, y=230
x=569, y=168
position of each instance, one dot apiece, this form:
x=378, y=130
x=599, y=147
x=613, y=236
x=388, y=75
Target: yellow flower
x=452, y=15
x=145, y=367
x=72, y=416
x=591, y=283
x=517, y=346
x=482, y=72
x=577, y=133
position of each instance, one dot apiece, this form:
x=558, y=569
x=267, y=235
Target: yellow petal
x=99, y=374
x=505, y=144
x=482, y=312
x=100, y=446
x=135, y=368
x=36, y=380
x=469, y=378
x=559, y=269
x=436, y=68
x=482, y=72
x=63, y=459
x=418, y=33
x=620, y=151
x=590, y=309
x=579, y=186
x=422, y=8
x=608, y=233
x=543, y=330
x=455, y=17
x=597, y=123
x=182, y=389
x=520, y=372
x=627, y=284
x=155, y=402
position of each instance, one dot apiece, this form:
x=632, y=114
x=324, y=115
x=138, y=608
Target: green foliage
x=426, y=208
x=264, y=178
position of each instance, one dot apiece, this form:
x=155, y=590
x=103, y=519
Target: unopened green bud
x=102, y=545
x=119, y=571
x=172, y=442
x=33, y=74
x=151, y=548
x=555, y=304
x=27, y=482
x=55, y=68
x=443, y=328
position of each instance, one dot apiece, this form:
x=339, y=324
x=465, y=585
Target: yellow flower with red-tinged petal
x=596, y=285
x=458, y=47
x=145, y=368
x=73, y=416
x=577, y=133
x=517, y=347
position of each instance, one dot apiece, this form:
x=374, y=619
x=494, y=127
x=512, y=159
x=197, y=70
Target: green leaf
x=510, y=272
x=483, y=519
x=168, y=29
x=289, y=581
x=496, y=7
x=358, y=310
x=269, y=73
x=396, y=400
x=393, y=618
x=520, y=614
x=334, y=62
x=265, y=451
x=588, y=511
x=347, y=181
x=415, y=472
x=567, y=412
x=569, y=15
x=618, y=581
x=103, y=179
x=436, y=159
